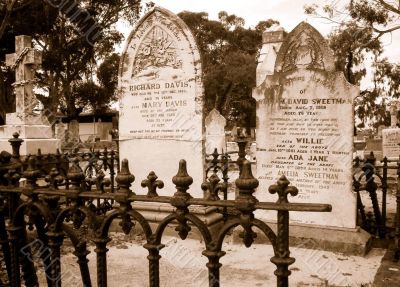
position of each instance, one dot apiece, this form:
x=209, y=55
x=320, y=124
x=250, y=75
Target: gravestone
x=161, y=101
x=305, y=125
x=32, y=127
x=391, y=136
x=215, y=132
x=73, y=132
x=60, y=130
x=380, y=129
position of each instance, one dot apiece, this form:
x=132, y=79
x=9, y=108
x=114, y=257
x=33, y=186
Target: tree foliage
x=356, y=41
x=73, y=39
x=228, y=52
x=99, y=96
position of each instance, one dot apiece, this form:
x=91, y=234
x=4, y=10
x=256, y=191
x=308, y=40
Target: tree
x=358, y=36
x=228, y=52
x=99, y=96
x=73, y=39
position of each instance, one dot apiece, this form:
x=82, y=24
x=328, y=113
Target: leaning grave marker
x=161, y=101
x=305, y=125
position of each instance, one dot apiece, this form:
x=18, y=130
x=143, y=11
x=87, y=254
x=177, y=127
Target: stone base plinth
x=29, y=131
x=31, y=146
x=156, y=212
x=351, y=241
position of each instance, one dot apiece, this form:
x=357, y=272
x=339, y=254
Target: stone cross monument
x=24, y=61
x=32, y=127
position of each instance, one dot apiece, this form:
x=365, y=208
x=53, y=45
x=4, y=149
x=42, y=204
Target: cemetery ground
x=182, y=265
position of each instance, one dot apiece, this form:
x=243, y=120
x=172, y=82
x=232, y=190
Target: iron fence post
x=397, y=217
x=371, y=187
x=384, y=190
x=282, y=259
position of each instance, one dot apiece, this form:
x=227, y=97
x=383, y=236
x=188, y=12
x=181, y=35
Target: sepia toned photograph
x=189, y=143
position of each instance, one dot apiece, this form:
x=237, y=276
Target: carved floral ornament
x=157, y=50
x=304, y=48
x=158, y=46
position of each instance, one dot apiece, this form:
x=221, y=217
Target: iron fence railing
x=372, y=176
x=58, y=211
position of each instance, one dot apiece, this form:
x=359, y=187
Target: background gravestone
x=305, y=125
x=391, y=136
x=161, y=101
x=215, y=132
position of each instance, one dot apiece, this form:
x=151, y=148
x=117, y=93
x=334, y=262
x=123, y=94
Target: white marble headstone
x=161, y=101
x=305, y=126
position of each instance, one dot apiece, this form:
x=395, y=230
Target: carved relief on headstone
x=157, y=50
x=305, y=128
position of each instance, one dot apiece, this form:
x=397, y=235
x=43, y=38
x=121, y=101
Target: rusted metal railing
x=44, y=207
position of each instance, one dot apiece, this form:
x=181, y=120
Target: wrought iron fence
x=59, y=211
x=372, y=177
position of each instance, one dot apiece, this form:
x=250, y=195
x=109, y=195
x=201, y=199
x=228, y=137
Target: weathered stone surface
x=22, y=61
x=305, y=128
x=215, y=132
x=31, y=126
x=391, y=136
x=161, y=100
x=391, y=143
x=73, y=132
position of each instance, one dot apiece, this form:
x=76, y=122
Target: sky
x=288, y=12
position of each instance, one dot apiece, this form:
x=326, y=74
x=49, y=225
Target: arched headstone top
x=158, y=42
x=304, y=48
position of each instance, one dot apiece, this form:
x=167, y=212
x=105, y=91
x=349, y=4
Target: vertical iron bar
x=154, y=265
x=397, y=218
x=5, y=247
x=282, y=259
x=101, y=258
x=213, y=266
x=81, y=252
x=384, y=190
x=55, y=242
x=15, y=279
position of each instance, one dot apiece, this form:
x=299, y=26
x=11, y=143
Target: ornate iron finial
x=246, y=182
x=282, y=188
x=152, y=184
x=125, y=179
x=182, y=179
x=75, y=175
x=31, y=173
x=212, y=186
x=12, y=176
x=16, y=143
x=371, y=159
x=5, y=157
x=54, y=178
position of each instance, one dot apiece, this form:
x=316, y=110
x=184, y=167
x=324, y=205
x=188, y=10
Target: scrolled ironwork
x=65, y=195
